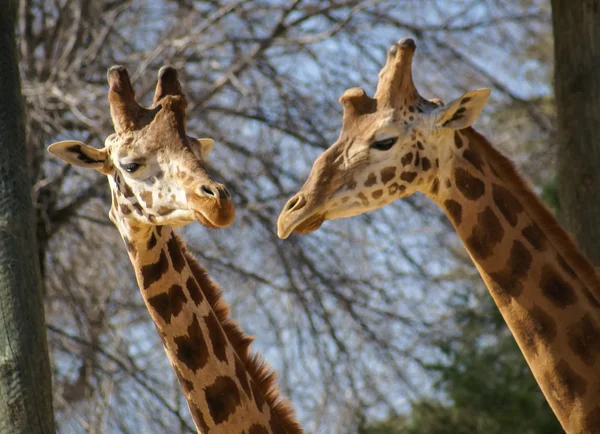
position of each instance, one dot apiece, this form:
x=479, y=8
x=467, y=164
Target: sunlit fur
x=258, y=369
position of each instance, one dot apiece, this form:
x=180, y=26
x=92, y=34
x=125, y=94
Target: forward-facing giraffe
x=397, y=143
x=158, y=181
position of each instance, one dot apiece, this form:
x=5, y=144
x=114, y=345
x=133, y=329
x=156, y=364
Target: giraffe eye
x=130, y=167
x=384, y=145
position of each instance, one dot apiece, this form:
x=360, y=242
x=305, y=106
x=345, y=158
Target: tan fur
x=563, y=243
x=258, y=369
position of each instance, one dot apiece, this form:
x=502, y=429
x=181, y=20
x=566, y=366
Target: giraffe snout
x=296, y=203
x=214, y=191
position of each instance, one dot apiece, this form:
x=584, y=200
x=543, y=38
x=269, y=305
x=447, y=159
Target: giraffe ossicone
x=398, y=143
x=158, y=180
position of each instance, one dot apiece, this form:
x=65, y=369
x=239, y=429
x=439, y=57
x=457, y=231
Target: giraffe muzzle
x=212, y=205
x=298, y=216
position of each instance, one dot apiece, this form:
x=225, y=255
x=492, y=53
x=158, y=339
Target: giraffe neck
x=228, y=390
x=547, y=292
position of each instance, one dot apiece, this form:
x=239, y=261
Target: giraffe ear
x=79, y=154
x=206, y=146
x=462, y=112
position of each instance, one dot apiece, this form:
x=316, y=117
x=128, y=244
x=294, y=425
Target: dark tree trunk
x=25, y=383
x=576, y=26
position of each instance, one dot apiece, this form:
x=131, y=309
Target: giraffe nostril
x=295, y=204
x=207, y=190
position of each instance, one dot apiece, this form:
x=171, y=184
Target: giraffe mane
x=562, y=241
x=259, y=370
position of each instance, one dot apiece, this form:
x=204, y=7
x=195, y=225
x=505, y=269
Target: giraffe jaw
x=216, y=217
x=300, y=223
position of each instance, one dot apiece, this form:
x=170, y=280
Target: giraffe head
x=390, y=146
x=155, y=170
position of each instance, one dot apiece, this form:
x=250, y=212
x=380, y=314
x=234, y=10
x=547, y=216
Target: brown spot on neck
x=454, y=211
x=192, y=350
x=151, y=242
x=377, y=194
x=507, y=203
x=471, y=187
x=458, y=140
x=535, y=236
x=168, y=304
x=199, y=419
x=426, y=164
x=474, y=158
x=508, y=282
x=175, y=253
x=216, y=336
x=565, y=384
x=152, y=273
x=408, y=176
x=555, y=289
x=535, y=328
x=363, y=198
x=194, y=290
x=487, y=233
x=222, y=398
x=584, y=339
x=566, y=267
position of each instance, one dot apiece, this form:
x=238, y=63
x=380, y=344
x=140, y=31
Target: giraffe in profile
x=398, y=143
x=157, y=176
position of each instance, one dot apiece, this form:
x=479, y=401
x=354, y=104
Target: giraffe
x=398, y=143
x=158, y=180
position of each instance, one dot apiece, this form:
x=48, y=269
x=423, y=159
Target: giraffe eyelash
x=385, y=144
x=131, y=167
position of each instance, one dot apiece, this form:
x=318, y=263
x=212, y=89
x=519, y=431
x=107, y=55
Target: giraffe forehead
x=366, y=126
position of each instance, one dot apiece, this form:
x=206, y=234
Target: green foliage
x=485, y=386
x=550, y=196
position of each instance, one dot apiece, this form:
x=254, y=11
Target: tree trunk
x=25, y=382
x=576, y=26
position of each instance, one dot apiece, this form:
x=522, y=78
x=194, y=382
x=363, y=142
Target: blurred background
x=377, y=324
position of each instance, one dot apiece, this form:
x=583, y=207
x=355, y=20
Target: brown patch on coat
x=387, y=174
x=535, y=236
x=194, y=290
x=168, y=304
x=406, y=159
x=535, y=328
x=216, y=336
x=377, y=194
x=487, y=233
x=507, y=203
x=454, y=211
x=263, y=384
x=192, y=350
x=555, y=289
x=146, y=197
x=222, y=398
x=371, y=180
x=175, y=253
x=152, y=273
x=508, y=282
x=408, y=176
x=584, y=339
x=471, y=187
x=474, y=158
